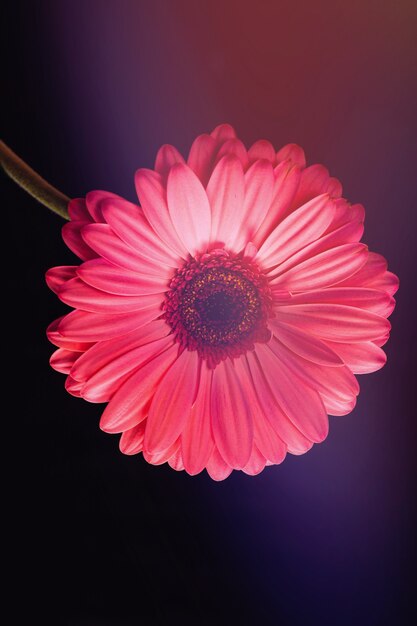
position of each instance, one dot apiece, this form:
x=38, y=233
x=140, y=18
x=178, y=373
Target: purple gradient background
x=326, y=538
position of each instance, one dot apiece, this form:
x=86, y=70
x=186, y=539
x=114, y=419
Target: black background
x=100, y=539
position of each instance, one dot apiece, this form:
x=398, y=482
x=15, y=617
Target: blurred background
x=91, y=89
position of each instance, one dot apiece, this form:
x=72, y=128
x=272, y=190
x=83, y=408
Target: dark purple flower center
x=221, y=307
x=218, y=304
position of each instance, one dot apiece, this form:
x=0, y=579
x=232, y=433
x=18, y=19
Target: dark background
x=90, y=91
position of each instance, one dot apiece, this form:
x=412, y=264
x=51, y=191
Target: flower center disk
x=218, y=304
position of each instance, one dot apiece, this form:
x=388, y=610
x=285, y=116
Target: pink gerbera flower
x=224, y=317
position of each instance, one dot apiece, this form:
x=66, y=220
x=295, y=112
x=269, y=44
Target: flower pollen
x=218, y=305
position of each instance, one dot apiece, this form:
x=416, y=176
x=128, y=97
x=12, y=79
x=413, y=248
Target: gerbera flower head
x=224, y=317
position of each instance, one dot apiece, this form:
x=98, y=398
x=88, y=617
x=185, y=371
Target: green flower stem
x=31, y=182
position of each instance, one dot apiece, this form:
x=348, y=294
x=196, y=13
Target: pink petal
x=94, y=201
x=172, y=403
x=265, y=438
x=388, y=282
x=361, y=358
x=301, y=403
x=225, y=192
x=196, y=439
x=336, y=322
x=287, y=179
x=56, y=338
x=105, y=276
x=281, y=296
x=162, y=457
x=83, y=326
x=256, y=463
x=130, y=403
x=363, y=298
x=265, y=381
x=104, y=352
x=304, y=344
x=101, y=385
x=323, y=270
x=348, y=233
x=107, y=245
x=234, y=147
x=231, y=415
x=79, y=295
x=57, y=276
x=129, y=223
x=62, y=342
x=250, y=251
x=336, y=407
x=152, y=196
x=314, y=181
x=262, y=149
x=334, y=382
x=166, y=157
x=189, y=208
x=201, y=157
x=374, y=268
x=382, y=340
x=71, y=234
x=268, y=442
x=259, y=187
x=77, y=209
x=334, y=188
x=223, y=132
x=106, y=391
x=293, y=153
x=297, y=452
x=300, y=228
x=217, y=468
x=176, y=462
x=63, y=360
x=346, y=213
x=73, y=387
x=131, y=441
